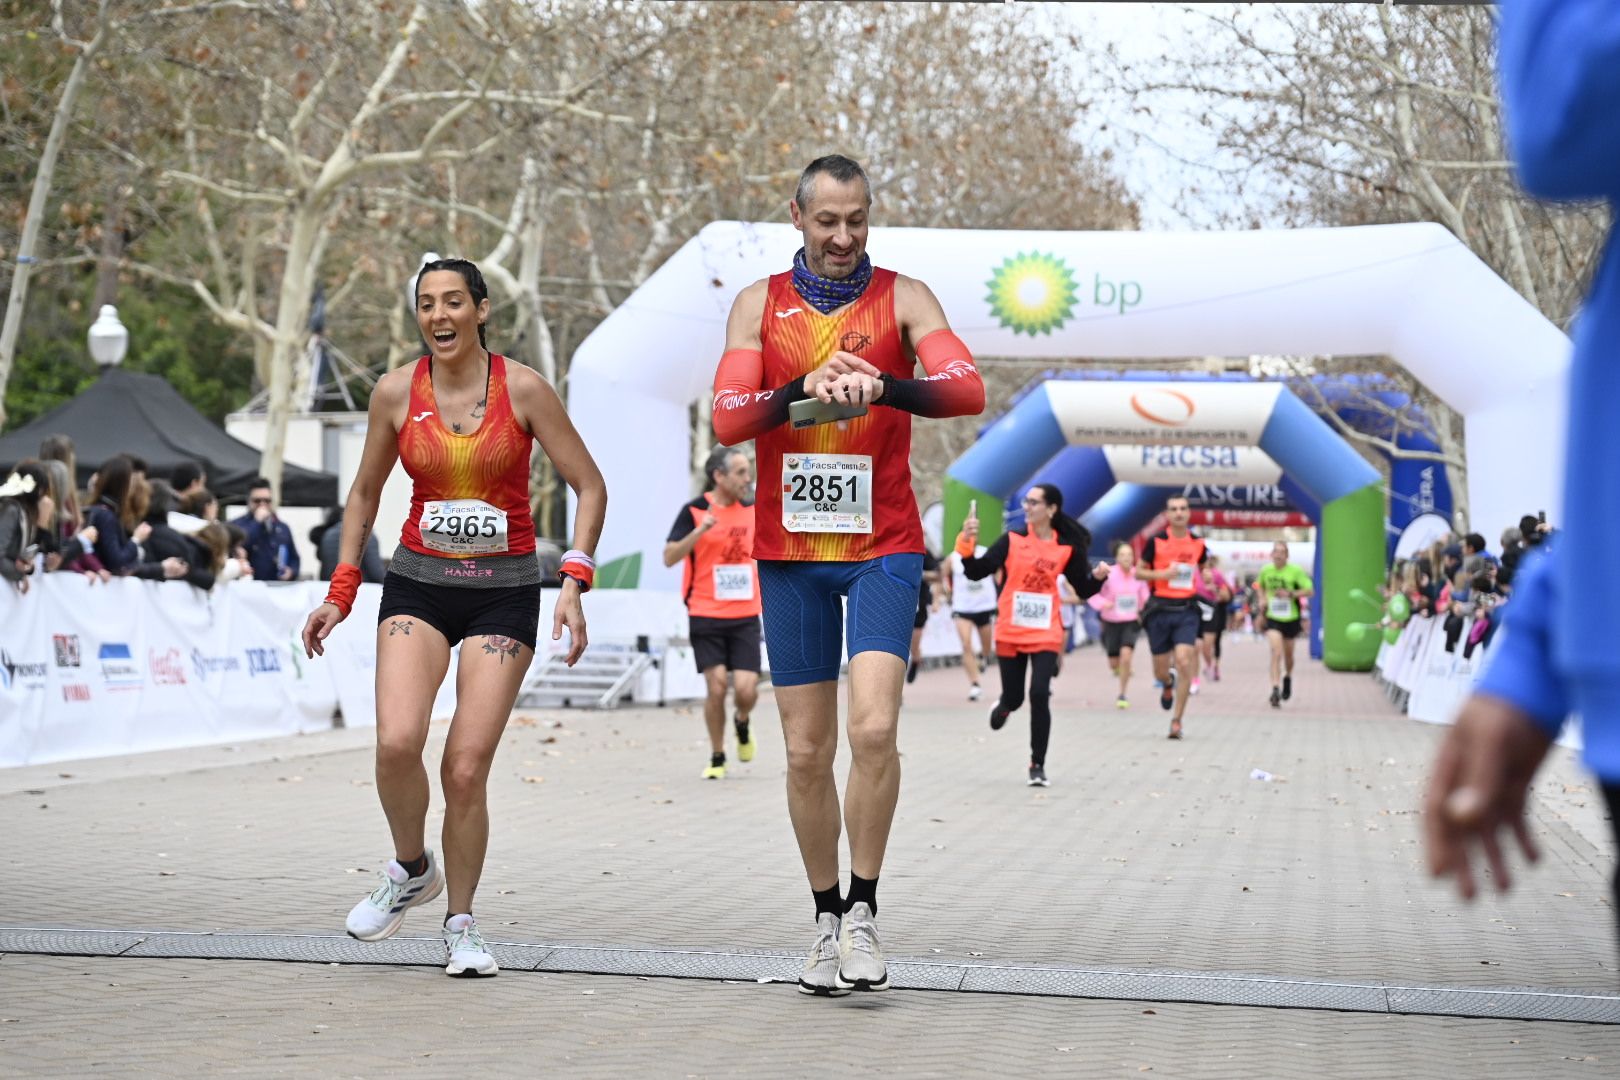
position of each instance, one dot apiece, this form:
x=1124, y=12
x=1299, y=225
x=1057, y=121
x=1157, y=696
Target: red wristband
x=345, y=584
x=584, y=575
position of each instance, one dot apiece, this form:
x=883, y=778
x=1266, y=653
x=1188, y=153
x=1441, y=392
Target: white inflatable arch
x=1413, y=292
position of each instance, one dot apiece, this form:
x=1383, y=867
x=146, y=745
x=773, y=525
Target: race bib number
x=464, y=527
x=1181, y=575
x=1126, y=605
x=1280, y=607
x=1032, y=610
x=827, y=493
x=734, y=581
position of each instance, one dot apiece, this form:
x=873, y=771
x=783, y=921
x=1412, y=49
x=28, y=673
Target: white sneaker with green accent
x=465, y=952
x=379, y=915
x=860, y=958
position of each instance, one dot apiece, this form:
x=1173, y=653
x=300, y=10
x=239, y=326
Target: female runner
x=1029, y=634
x=462, y=420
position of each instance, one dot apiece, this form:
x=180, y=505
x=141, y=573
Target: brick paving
x=1143, y=854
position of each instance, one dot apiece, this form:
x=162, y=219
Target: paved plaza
x=1151, y=866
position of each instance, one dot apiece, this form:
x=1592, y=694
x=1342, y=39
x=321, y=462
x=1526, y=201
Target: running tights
x=1611, y=792
x=1041, y=667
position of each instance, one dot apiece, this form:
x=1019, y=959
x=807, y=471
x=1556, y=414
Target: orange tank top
x=1027, y=611
x=859, y=475
x=470, y=493
x=720, y=579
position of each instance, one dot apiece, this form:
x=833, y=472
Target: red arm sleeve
x=743, y=408
x=952, y=386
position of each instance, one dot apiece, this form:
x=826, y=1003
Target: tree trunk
x=112, y=249
x=292, y=316
x=36, y=202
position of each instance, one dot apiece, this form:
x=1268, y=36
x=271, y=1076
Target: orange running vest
x=720, y=571
x=797, y=339
x=1028, y=619
x=490, y=464
x=1168, y=551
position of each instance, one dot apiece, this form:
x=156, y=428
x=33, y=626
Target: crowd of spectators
x=1461, y=582
x=130, y=524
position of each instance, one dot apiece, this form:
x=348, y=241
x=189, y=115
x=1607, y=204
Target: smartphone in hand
x=808, y=412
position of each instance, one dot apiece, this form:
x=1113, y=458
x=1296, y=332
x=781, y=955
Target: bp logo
x=1032, y=293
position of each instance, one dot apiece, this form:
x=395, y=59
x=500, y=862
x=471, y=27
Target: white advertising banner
x=1181, y=413
x=1169, y=466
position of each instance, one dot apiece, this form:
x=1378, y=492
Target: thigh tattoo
x=502, y=645
x=400, y=626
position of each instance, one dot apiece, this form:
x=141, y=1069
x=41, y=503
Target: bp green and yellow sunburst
x=1032, y=293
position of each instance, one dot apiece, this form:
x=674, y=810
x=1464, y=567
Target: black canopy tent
x=135, y=413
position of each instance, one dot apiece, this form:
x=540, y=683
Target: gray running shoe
x=379, y=915
x=465, y=953
x=820, y=975
x=860, y=957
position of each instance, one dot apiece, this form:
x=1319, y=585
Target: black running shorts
x=1170, y=623
x=729, y=643
x=457, y=613
x=1119, y=635
x=1287, y=628
x=977, y=618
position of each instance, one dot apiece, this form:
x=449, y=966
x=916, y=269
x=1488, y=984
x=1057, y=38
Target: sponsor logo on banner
x=264, y=661
x=203, y=665
x=75, y=692
x=67, y=649
x=168, y=667
x=1247, y=496
x=119, y=671
x=1163, y=465
x=21, y=675
x=1186, y=413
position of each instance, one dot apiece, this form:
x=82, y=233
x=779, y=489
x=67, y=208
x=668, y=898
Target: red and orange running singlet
x=825, y=494
x=470, y=493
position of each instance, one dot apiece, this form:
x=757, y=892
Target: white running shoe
x=820, y=976
x=465, y=953
x=860, y=958
x=974, y=692
x=379, y=915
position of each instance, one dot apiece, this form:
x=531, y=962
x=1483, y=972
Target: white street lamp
x=108, y=338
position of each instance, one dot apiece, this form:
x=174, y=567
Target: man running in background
x=973, y=610
x=713, y=539
x=836, y=518
x=1283, y=589
x=1170, y=562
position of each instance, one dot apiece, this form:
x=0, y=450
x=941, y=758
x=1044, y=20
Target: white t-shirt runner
x=971, y=597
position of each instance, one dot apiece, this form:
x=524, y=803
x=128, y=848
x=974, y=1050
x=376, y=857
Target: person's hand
x=90, y=533
x=854, y=388
x=317, y=626
x=53, y=561
x=22, y=582
x=709, y=521
x=1101, y=571
x=285, y=573
x=570, y=613
x=142, y=531
x=174, y=567
x=839, y=364
x=1481, y=776
x=261, y=512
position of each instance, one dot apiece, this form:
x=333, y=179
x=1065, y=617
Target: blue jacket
x=1560, y=67
x=269, y=547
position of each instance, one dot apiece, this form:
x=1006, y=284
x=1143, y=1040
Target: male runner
x=713, y=537
x=836, y=518
x=1283, y=587
x=1170, y=561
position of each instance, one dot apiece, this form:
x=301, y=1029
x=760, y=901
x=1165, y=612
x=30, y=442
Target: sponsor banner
x=1236, y=497
x=1168, y=465
x=1179, y=413
x=1250, y=519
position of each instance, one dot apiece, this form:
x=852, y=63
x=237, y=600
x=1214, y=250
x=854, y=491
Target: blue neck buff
x=827, y=294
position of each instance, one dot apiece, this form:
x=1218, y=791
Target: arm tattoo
x=400, y=626
x=502, y=645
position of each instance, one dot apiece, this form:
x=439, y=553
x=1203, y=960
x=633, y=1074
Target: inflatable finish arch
x=1411, y=291
x=1266, y=415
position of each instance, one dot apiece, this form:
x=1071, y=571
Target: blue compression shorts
x=805, y=620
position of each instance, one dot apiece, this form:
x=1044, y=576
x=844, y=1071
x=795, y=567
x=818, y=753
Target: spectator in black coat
x=169, y=554
x=117, y=507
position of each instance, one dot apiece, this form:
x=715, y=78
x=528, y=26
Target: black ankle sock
x=717, y=759
x=417, y=866
x=828, y=901
x=861, y=891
